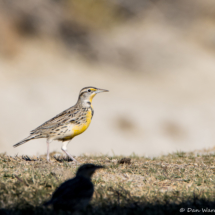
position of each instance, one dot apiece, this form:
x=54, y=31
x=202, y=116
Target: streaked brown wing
x=63, y=117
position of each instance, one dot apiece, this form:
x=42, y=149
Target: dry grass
x=161, y=185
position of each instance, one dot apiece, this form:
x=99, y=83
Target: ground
x=159, y=185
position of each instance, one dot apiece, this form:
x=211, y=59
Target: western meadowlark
x=75, y=193
x=69, y=123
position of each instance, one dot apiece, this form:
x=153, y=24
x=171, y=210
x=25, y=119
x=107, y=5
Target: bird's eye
x=89, y=90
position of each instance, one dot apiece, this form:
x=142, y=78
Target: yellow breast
x=78, y=129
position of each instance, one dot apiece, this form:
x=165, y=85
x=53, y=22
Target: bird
x=69, y=123
x=75, y=194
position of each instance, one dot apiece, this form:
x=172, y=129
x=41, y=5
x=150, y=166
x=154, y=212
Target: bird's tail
x=25, y=140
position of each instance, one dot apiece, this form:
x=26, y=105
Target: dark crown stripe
x=87, y=88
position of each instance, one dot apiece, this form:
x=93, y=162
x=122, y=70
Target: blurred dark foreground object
x=76, y=193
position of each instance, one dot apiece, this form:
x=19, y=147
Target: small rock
x=125, y=161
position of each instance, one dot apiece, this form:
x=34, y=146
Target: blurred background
x=156, y=57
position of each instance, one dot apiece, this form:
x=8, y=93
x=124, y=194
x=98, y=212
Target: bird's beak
x=99, y=167
x=101, y=91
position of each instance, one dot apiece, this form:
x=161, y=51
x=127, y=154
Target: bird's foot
x=70, y=156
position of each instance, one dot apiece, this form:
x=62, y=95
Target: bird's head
x=87, y=170
x=87, y=93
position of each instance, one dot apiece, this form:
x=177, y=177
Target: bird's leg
x=47, y=141
x=64, y=149
x=70, y=156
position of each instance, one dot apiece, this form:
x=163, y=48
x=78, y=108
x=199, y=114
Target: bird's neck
x=84, y=175
x=85, y=103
